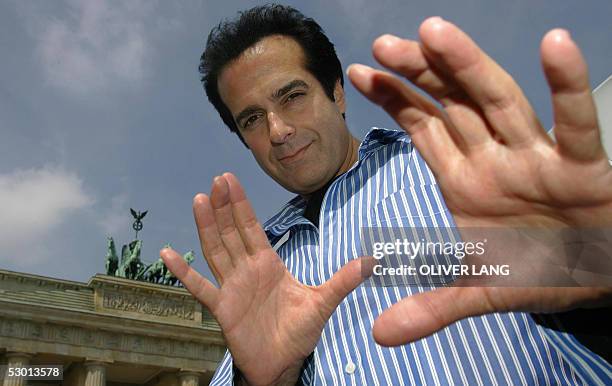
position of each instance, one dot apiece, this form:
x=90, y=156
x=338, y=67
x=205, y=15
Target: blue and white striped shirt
x=391, y=185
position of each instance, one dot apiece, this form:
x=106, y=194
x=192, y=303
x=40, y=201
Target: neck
x=349, y=160
x=351, y=156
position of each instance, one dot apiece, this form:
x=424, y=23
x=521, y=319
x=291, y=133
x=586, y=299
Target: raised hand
x=270, y=321
x=493, y=161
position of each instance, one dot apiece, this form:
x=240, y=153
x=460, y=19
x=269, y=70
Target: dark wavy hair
x=231, y=38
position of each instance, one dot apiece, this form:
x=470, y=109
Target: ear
x=339, y=97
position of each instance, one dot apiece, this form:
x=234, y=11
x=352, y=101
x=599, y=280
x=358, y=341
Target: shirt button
x=350, y=368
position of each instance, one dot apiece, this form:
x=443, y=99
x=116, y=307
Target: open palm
x=493, y=161
x=270, y=321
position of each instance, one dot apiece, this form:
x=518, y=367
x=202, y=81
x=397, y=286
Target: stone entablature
x=126, y=321
x=107, y=295
x=45, y=291
x=130, y=298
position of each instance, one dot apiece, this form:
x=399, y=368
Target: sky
x=101, y=110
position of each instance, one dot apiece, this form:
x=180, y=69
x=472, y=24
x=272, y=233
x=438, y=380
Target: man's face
x=295, y=132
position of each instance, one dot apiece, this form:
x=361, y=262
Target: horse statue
x=112, y=261
x=154, y=272
x=131, y=266
x=169, y=278
x=189, y=257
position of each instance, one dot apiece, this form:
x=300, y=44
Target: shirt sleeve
x=307, y=375
x=224, y=374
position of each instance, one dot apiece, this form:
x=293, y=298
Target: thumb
x=421, y=315
x=201, y=288
x=346, y=280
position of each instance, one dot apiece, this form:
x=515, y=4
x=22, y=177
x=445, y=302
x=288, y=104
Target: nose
x=280, y=132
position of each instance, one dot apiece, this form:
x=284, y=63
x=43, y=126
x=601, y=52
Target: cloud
x=114, y=219
x=33, y=203
x=93, y=45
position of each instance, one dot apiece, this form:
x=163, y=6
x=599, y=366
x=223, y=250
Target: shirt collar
x=288, y=216
x=378, y=137
x=292, y=213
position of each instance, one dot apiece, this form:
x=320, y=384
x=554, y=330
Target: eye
x=293, y=96
x=250, y=121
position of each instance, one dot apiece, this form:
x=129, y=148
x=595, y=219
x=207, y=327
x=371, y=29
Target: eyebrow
x=276, y=95
x=288, y=87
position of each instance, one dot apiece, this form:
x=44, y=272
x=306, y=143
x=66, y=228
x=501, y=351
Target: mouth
x=295, y=156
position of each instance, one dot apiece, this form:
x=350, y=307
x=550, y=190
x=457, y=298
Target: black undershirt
x=313, y=206
x=591, y=327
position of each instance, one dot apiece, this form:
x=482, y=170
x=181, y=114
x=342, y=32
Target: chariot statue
x=130, y=266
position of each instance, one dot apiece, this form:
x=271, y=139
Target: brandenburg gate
x=110, y=331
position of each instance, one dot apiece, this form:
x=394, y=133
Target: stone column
x=167, y=379
x=188, y=378
x=16, y=359
x=95, y=373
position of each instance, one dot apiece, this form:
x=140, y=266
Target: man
x=301, y=315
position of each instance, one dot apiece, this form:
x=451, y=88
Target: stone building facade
x=110, y=331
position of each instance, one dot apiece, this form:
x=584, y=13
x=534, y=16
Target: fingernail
x=198, y=198
x=357, y=67
x=387, y=40
x=561, y=33
x=391, y=37
x=434, y=23
x=348, y=69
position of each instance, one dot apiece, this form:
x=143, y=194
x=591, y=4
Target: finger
x=384, y=89
x=198, y=286
x=490, y=87
x=345, y=280
x=406, y=58
x=576, y=127
x=210, y=241
x=222, y=207
x=420, y=315
x=419, y=117
x=250, y=229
